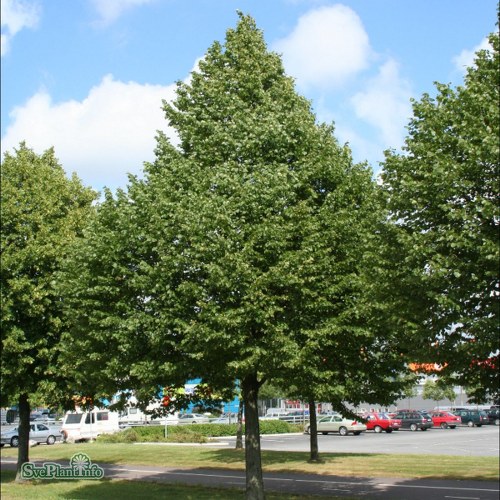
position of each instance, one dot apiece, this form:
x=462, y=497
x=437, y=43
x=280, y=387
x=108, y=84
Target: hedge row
x=196, y=433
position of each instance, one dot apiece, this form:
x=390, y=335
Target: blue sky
x=88, y=76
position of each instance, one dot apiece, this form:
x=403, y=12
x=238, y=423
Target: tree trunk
x=253, y=464
x=24, y=434
x=239, y=430
x=313, y=432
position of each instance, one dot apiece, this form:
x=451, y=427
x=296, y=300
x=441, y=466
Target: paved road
x=462, y=441
x=310, y=484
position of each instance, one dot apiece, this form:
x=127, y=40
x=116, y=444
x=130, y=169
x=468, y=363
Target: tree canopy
x=240, y=245
x=442, y=197
x=42, y=212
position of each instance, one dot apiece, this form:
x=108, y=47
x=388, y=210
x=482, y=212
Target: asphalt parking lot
x=462, y=441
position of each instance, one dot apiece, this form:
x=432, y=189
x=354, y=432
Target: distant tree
x=42, y=213
x=348, y=351
x=269, y=391
x=437, y=392
x=441, y=277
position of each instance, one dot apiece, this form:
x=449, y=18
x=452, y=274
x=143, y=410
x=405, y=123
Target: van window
x=132, y=411
x=102, y=415
x=74, y=418
x=87, y=418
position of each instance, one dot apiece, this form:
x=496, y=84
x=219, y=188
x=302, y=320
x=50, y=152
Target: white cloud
x=110, y=10
x=385, y=104
x=16, y=15
x=103, y=137
x=466, y=58
x=327, y=47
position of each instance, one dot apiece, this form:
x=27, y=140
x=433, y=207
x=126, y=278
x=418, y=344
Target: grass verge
x=341, y=464
x=49, y=490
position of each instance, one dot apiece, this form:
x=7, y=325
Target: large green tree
x=239, y=246
x=42, y=212
x=345, y=352
x=443, y=246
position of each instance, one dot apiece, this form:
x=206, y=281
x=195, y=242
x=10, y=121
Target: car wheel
x=14, y=442
x=444, y=425
x=388, y=431
x=377, y=429
x=51, y=440
x=343, y=431
x=470, y=423
x=307, y=430
x=413, y=427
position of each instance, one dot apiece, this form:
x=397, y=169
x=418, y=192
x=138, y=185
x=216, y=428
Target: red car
x=379, y=422
x=445, y=419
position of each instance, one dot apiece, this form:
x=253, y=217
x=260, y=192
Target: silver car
x=340, y=424
x=193, y=418
x=40, y=433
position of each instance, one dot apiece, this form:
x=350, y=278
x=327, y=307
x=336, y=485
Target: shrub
x=197, y=433
x=155, y=434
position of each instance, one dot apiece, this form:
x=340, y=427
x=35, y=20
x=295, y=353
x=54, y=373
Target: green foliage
x=42, y=213
x=437, y=391
x=443, y=247
x=191, y=433
x=239, y=254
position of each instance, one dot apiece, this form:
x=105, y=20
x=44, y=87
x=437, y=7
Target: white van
x=131, y=415
x=81, y=426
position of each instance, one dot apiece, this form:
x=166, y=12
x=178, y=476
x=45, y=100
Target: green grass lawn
x=105, y=489
x=342, y=464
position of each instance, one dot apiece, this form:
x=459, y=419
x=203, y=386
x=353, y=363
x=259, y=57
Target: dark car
x=472, y=418
x=494, y=416
x=414, y=420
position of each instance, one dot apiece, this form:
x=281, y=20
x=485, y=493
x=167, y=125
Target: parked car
x=493, y=416
x=414, y=420
x=276, y=412
x=226, y=418
x=193, y=418
x=472, y=418
x=445, y=419
x=379, y=422
x=337, y=423
x=298, y=413
x=40, y=433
